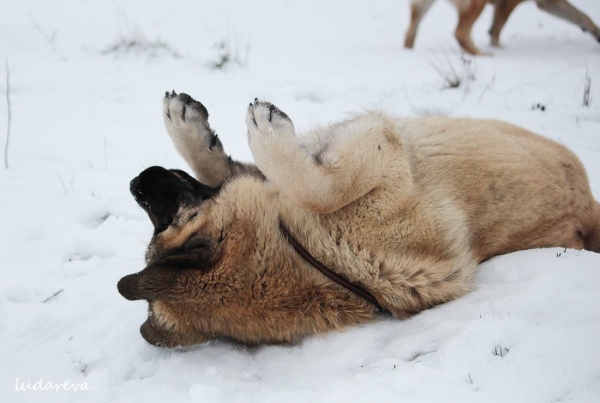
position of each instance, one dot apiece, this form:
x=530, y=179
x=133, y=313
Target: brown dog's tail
x=592, y=242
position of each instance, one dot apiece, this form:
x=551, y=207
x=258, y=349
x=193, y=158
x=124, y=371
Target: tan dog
x=404, y=208
x=470, y=10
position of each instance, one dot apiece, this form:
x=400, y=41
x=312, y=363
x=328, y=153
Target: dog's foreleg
x=563, y=9
x=503, y=9
x=418, y=9
x=187, y=124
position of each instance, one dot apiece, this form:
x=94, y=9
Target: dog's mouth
x=176, y=173
x=161, y=193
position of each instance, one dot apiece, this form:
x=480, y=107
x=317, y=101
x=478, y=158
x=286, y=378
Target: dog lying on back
x=470, y=10
x=403, y=209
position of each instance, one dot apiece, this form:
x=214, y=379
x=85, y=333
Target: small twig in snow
x=62, y=183
x=486, y=88
x=469, y=72
x=454, y=76
x=50, y=38
x=445, y=68
x=52, y=296
x=500, y=351
x=9, y=117
x=587, y=88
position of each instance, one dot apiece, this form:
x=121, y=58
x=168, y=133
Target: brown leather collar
x=358, y=290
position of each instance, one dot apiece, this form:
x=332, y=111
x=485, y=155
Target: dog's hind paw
x=265, y=119
x=272, y=140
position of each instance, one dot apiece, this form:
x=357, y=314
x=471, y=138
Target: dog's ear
x=166, y=280
x=152, y=283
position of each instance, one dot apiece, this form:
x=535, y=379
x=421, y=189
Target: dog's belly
x=480, y=188
x=518, y=190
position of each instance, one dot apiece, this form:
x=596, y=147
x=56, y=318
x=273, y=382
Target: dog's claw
x=255, y=101
x=166, y=94
x=173, y=94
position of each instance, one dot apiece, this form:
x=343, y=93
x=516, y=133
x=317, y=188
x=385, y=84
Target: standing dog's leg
x=418, y=8
x=368, y=155
x=187, y=124
x=466, y=18
x=563, y=9
x=502, y=10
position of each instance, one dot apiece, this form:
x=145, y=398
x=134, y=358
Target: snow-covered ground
x=86, y=118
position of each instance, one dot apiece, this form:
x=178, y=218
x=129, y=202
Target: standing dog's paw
x=265, y=119
x=187, y=123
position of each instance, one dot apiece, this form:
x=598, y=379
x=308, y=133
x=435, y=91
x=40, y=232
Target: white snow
x=86, y=121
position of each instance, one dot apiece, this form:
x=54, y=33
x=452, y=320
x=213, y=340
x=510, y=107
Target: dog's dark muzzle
x=135, y=188
x=161, y=192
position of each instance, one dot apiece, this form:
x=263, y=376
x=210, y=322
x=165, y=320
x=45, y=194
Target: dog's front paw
x=187, y=124
x=265, y=120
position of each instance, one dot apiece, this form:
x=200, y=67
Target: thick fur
x=470, y=10
x=406, y=208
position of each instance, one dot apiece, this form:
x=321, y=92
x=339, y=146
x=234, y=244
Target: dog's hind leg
x=466, y=19
x=503, y=9
x=187, y=124
x=563, y=9
x=357, y=156
x=418, y=9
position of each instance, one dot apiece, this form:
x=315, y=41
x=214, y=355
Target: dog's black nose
x=135, y=188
